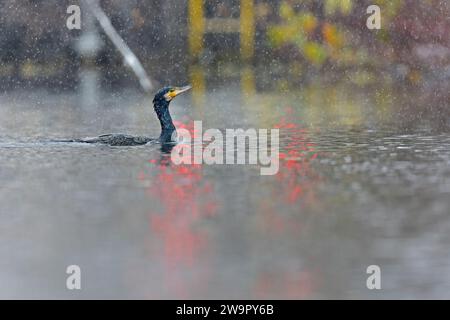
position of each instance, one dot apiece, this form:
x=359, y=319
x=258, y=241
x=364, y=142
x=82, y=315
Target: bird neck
x=167, y=126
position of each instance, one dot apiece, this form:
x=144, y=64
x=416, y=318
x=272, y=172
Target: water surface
x=360, y=183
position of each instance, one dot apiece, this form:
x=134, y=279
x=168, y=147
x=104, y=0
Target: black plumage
x=161, y=104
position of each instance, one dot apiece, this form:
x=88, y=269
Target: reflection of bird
x=161, y=106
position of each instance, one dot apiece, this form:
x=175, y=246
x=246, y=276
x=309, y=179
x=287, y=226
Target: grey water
x=359, y=184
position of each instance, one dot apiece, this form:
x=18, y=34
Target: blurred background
x=364, y=177
x=287, y=43
x=269, y=45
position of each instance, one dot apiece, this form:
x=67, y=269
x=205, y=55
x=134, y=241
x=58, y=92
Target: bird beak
x=175, y=92
x=181, y=90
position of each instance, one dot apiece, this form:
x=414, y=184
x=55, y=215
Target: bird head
x=161, y=106
x=167, y=94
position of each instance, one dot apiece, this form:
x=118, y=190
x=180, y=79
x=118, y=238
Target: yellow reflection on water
x=197, y=80
x=318, y=103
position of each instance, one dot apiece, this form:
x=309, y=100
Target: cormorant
x=161, y=106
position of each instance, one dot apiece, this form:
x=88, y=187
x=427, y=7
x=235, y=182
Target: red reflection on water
x=184, y=199
x=179, y=189
x=294, y=189
x=296, y=179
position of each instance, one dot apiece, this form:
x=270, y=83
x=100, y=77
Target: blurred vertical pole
x=196, y=21
x=88, y=46
x=247, y=30
x=197, y=79
x=247, y=82
x=196, y=28
x=247, y=36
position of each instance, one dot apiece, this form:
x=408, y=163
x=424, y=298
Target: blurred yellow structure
x=199, y=26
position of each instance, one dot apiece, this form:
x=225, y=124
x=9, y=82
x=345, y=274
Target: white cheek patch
x=167, y=97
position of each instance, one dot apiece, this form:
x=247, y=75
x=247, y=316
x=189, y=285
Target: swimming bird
x=161, y=104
